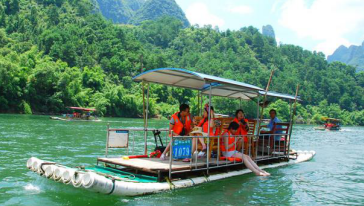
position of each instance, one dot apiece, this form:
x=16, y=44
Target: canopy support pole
x=292, y=116
x=256, y=138
x=198, y=103
x=208, y=132
x=258, y=110
x=265, y=98
x=201, y=104
x=240, y=103
x=146, y=123
x=107, y=140
x=143, y=91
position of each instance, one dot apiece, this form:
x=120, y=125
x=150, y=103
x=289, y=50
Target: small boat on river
x=139, y=173
x=331, y=124
x=79, y=114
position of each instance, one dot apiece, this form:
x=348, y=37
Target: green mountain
x=136, y=11
x=55, y=54
x=354, y=55
x=153, y=9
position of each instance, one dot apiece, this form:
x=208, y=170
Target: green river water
x=334, y=177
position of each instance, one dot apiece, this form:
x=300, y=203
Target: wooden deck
x=156, y=164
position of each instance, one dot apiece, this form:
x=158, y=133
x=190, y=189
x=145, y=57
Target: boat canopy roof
x=231, y=92
x=189, y=79
x=83, y=109
x=202, y=82
x=280, y=95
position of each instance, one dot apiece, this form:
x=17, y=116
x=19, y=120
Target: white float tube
x=31, y=161
x=49, y=170
x=76, y=179
x=57, y=174
x=36, y=166
x=97, y=183
x=67, y=175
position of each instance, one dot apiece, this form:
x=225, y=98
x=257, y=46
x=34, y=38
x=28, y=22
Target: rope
x=45, y=163
x=171, y=185
x=131, y=176
x=113, y=187
x=206, y=177
x=193, y=183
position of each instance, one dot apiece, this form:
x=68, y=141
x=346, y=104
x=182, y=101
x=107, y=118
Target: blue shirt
x=271, y=125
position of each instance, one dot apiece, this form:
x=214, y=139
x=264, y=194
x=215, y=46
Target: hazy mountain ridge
x=136, y=11
x=268, y=31
x=153, y=9
x=354, y=55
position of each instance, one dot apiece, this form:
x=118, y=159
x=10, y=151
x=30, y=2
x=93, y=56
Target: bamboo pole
x=146, y=123
x=144, y=112
x=292, y=116
x=265, y=97
x=143, y=102
x=141, y=71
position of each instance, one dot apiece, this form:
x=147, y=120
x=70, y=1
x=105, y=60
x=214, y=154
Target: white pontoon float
x=138, y=174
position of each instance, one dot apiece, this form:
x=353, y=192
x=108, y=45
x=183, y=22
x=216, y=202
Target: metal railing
x=260, y=147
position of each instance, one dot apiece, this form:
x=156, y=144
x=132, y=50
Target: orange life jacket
x=178, y=125
x=241, y=130
x=205, y=124
x=231, y=140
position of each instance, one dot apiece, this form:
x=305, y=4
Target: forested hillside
x=59, y=53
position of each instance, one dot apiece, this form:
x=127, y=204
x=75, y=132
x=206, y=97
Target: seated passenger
x=180, y=125
x=229, y=150
x=204, y=123
x=272, y=122
x=243, y=127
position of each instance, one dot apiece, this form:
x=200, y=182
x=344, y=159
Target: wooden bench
x=268, y=144
x=225, y=122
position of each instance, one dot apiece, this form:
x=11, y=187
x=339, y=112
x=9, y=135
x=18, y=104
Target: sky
x=315, y=25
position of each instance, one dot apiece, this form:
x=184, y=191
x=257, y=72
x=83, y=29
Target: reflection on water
x=334, y=176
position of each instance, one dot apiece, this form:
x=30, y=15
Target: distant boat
x=331, y=124
x=79, y=114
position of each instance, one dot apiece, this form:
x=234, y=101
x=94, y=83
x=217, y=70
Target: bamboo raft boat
x=141, y=174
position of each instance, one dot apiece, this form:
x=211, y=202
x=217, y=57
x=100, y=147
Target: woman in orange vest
x=243, y=128
x=180, y=125
x=228, y=148
x=204, y=123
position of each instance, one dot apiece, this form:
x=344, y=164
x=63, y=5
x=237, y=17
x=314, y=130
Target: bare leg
x=239, y=144
x=194, y=146
x=163, y=156
x=202, y=141
x=248, y=158
x=251, y=165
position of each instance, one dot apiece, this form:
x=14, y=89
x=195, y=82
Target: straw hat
x=197, y=130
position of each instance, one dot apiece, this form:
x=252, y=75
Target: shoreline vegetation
x=60, y=53
x=296, y=121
